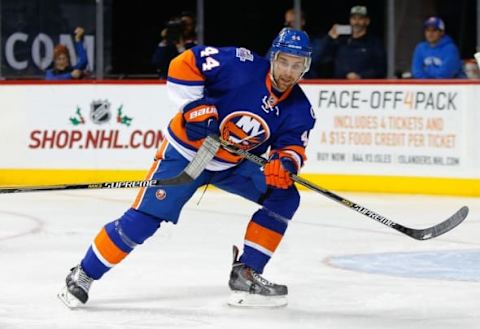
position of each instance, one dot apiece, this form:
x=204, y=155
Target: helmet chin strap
x=272, y=76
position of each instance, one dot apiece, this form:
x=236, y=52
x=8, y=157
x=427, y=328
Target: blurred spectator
x=356, y=54
x=61, y=68
x=437, y=57
x=177, y=36
x=290, y=19
x=471, y=69
x=189, y=29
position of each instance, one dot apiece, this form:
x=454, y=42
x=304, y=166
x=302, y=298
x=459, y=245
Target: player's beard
x=285, y=83
x=282, y=82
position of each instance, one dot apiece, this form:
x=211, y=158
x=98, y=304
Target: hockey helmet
x=293, y=42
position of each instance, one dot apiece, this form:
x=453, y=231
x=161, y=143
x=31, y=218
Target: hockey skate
x=250, y=289
x=75, y=292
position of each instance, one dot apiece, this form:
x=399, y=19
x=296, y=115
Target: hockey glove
x=278, y=168
x=201, y=119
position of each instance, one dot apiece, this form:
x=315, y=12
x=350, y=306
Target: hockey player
x=250, y=102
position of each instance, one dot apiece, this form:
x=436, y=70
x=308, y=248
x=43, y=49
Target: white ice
x=343, y=269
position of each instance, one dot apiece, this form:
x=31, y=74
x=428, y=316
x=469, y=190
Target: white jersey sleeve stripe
x=258, y=247
x=182, y=94
x=100, y=257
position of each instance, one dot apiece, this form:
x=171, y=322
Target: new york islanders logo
x=244, y=129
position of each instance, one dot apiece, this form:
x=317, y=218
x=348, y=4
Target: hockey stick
x=418, y=234
x=204, y=154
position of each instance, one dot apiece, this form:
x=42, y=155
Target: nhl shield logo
x=100, y=112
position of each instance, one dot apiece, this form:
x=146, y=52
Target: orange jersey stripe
x=151, y=171
x=161, y=151
x=262, y=236
x=183, y=67
x=177, y=126
x=300, y=150
x=109, y=250
x=268, y=83
x=158, y=156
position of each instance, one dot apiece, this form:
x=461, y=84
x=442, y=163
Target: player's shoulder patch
x=244, y=54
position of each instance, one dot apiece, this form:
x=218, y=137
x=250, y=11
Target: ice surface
x=343, y=269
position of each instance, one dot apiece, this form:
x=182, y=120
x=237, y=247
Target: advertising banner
x=419, y=130
x=82, y=126
x=383, y=137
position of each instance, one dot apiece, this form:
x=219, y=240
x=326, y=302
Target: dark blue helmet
x=293, y=42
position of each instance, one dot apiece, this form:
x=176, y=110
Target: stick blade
x=441, y=228
x=204, y=154
x=196, y=166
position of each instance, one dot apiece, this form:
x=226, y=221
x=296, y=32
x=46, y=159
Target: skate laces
x=260, y=278
x=82, y=279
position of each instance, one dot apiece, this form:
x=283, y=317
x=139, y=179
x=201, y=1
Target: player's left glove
x=278, y=168
x=201, y=119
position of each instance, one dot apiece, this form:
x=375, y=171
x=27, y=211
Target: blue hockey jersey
x=251, y=114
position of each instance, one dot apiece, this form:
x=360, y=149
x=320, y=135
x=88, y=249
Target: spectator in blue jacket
x=437, y=57
x=356, y=53
x=61, y=68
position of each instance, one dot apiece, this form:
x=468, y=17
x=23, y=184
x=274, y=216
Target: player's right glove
x=201, y=119
x=278, y=168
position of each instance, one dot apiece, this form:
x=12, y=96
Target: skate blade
x=245, y=299
x=68, y=299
